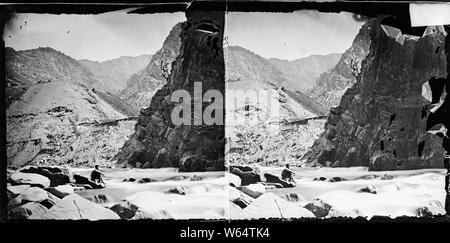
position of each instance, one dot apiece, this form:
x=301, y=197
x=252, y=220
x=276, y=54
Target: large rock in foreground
x=157, y=141
x=20, y=178
x=381, y=120
x=270, y=205
x=75, y=207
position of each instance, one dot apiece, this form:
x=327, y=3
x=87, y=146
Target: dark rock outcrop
x=381, y=120
x=181, y=190
x=368, y=189
x=26, y=210
x=83, y=180
x=125, y=209
x=319, y=208
x=54, y=174
x=294, y=197
x=157, y=139
x=247, y=177
x=277, y=180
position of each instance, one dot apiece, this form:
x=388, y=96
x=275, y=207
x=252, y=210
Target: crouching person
x=287, y=174
x=97, y=175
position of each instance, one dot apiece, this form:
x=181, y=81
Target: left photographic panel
x=99, y=123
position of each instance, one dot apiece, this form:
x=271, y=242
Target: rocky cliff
x=381, y=120
x=331, y=85
x=157, y=141
x=142, y=85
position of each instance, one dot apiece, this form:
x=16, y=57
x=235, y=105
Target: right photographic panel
x=334, y=115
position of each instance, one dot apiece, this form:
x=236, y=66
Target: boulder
x=80, y=179
x=129, y=179
x=387, y=177
x=19, y=178
x=177, y=190
x=319, y=208
x=74, y=207
x=275, y=179
x=160, y=214
x=50, y=201
x=54, y=174
x=345, y=213
x=145, y=180
x=253, y=190
x=294, y=197
x=16, y=190
x=336, y=179
x=101, y=199
x=239, y=198
x=65, y=189
x=270, y=205
x=15, y=202
x=61, y=191
x=27, y=210
x=320, y=178
x=368, y=189
x=151, y=204
x=243, y=168
x=234, y=180
x=242, y=203
x=33, y=194
x=432, y=208
x=196, y=178
x=247, y=177
x=124, y=209
x=367, y=177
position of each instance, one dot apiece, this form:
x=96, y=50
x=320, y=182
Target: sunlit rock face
x=331, y=85
x=142, y=85
x=157, y=142
x=381, y=120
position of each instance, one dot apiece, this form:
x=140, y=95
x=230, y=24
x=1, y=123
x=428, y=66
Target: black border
x=394, y=14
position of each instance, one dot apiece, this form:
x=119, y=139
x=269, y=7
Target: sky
x=94, y=37
x=111, y=35
x=293, y=35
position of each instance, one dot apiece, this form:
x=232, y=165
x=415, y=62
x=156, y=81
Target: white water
x=209, y=198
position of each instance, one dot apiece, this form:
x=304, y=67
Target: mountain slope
x=26, y=68
x=302, y=73
x=267, y=135
x=242, y=64
x=57, y=117
x=292, y=76
x=117, y=71
x=331, y=85
x=142, y=85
